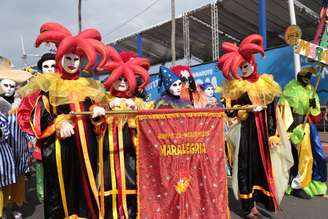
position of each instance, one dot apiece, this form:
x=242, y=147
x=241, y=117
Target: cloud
x=26, y=17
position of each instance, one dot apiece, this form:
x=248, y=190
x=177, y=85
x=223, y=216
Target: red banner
x=181, y=165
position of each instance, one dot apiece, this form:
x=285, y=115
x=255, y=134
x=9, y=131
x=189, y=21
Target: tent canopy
x=236, y=19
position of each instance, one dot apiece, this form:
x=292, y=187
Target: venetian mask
x=71, y=63
x=48, y=66
x=247, y=69
x=121, y=84
x=8, y=87
x=175, y=88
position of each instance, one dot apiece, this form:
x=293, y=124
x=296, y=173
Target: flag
x=181, y=165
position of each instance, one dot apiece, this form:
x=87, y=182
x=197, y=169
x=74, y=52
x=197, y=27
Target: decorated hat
x=206, y=85
x=45, y=57
x=307, y=69
x=6, y=72
x=167, y=77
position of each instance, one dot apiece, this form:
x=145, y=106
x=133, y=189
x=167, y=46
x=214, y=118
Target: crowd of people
x=79, y=158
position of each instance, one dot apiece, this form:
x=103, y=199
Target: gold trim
x=115, y=192
x=179, y=115
x=255, y=187
x=112, y=164
x=121, y=122
x=85, y=152
x=101, y=175
x=60, y=176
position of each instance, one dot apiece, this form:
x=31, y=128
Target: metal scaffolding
x=186, y=38
x=215, y=30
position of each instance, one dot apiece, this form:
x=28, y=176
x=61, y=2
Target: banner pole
x=297, y=61
x=133, y=112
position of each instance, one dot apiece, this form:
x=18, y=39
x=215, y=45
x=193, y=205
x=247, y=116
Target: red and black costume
x=70, y=164
x=255, y=178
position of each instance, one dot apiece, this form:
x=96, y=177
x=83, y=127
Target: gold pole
x=132, y=112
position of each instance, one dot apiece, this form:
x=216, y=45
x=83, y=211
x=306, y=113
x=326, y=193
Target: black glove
x=0, y=133
x=312, y=103
x=231, y=113
x=192, y=84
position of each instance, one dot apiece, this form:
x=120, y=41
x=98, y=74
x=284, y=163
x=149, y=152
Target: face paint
x=247, y=69
x=48, y=66
x=209, y=91
x=175, y=88
x=121, y=84
x=8, y=87
x=71, y=63
x=304, y=79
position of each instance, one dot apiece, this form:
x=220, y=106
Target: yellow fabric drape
x=112, y=165
x=121, y=122
x=101, y=175
x=304, y=175
x=61, y=177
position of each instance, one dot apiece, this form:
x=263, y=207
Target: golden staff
x=133, y=112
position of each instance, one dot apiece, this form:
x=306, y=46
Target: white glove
x=131, y=104
x=116, y=102
x=257, y=109
x=98, y=111
x=66, y=130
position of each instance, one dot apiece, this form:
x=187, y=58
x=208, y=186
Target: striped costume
x=18, y=141
x=7, y=164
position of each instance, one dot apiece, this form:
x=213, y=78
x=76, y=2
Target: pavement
x=291, y=207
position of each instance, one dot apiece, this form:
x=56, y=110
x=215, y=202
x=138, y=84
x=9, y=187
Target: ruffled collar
x=261, y=92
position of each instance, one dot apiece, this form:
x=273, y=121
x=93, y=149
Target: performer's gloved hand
x=192, y=84
x=257, y=109
x=131, y=104
x=66, y=129
x=231, y=113
x=98, y=111
x=115, y=103
x=312, y=103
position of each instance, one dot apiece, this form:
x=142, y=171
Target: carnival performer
x=7, y=163
x=309, y=173
x=46, y=64
x=17, y=140
x=68, y=143
x=258, y=131
x=119, y=153
x=171, y=97
x=190, y=90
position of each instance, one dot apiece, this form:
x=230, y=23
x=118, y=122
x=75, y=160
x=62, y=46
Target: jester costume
x=258, y=178
x=309, y=172
x=70, y=158
x=169, y=100
x=118, y=171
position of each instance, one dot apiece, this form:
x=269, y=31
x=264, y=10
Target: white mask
x=247, y=69
x=71, y=63
x=175, y=88
x=209, y=91
x=8, y=87
x=48, y=66
x=121, y=85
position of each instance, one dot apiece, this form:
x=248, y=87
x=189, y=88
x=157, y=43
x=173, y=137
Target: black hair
x=45, y=57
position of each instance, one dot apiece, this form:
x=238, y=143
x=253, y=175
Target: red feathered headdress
x=87, y=43
x=127, y=65
x=180, y=69
x=235, y=56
